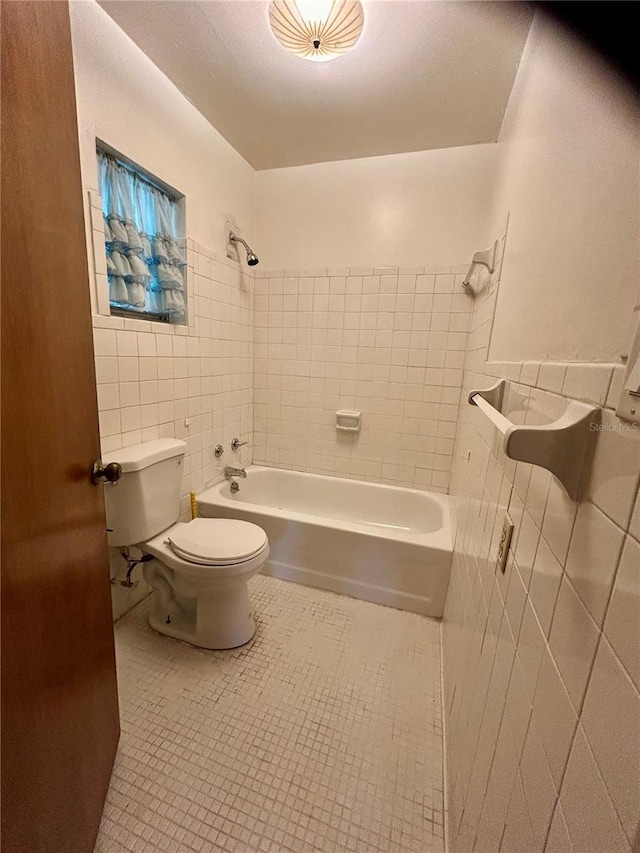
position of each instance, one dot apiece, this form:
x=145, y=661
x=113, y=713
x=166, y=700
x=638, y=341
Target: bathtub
x=378, y=543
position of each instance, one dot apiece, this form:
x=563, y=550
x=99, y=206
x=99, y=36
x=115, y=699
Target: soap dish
x=348, y=421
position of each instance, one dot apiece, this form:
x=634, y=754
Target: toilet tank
x=146, y=499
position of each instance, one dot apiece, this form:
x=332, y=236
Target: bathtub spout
x=229, y=473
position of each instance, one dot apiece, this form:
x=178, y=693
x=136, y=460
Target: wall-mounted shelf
x=560, y=447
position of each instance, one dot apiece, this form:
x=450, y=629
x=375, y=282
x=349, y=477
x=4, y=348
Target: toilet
x=200, y=568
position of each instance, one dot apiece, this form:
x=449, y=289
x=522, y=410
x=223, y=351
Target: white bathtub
x=379, y=543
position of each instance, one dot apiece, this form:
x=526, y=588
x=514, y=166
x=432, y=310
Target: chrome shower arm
x=252, y=259
x=233, y=238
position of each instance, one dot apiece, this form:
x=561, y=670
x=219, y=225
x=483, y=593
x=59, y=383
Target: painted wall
x=126, y=101
x=569, y=175
x=156, y=380
x=396, y=210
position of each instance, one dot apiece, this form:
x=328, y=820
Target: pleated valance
x=144, y=262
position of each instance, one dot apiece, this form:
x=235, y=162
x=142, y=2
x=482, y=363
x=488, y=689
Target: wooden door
x=60, y=723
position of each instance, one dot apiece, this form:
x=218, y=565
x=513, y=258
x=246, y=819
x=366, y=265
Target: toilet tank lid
x=140, y=456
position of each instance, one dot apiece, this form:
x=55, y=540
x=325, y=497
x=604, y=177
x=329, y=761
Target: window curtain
x=144, y=261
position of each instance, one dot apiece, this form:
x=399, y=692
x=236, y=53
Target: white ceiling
x=423, y=75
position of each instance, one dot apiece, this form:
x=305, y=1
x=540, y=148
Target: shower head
x=252, y=260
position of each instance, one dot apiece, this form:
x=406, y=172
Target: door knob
x=110, y=473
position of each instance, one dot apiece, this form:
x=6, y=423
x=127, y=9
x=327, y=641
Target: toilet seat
x=217, y=541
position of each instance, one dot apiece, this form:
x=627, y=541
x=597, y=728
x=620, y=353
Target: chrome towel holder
x=560, y=446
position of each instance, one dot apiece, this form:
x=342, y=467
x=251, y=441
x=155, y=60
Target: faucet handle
x=236, y=443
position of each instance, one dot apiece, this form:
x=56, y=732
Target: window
x=145, y=265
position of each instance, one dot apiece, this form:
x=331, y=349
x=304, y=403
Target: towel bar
x=560, y=447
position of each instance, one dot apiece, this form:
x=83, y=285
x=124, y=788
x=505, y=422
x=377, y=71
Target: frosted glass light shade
x=317, y=29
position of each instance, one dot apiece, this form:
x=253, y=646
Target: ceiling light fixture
x=317, y=29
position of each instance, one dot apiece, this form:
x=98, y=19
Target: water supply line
x=131, y=564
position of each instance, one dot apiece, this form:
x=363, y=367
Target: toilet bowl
x=200, y=568
x=200, y=575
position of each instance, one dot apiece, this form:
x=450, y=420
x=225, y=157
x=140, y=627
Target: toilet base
x=177, y=631
x=212, y=613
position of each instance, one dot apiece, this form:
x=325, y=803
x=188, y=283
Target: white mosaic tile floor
x=322, y=734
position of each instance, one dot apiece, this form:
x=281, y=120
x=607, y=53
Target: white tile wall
x=194, y=382
x=387, y=342
x=543, y=738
